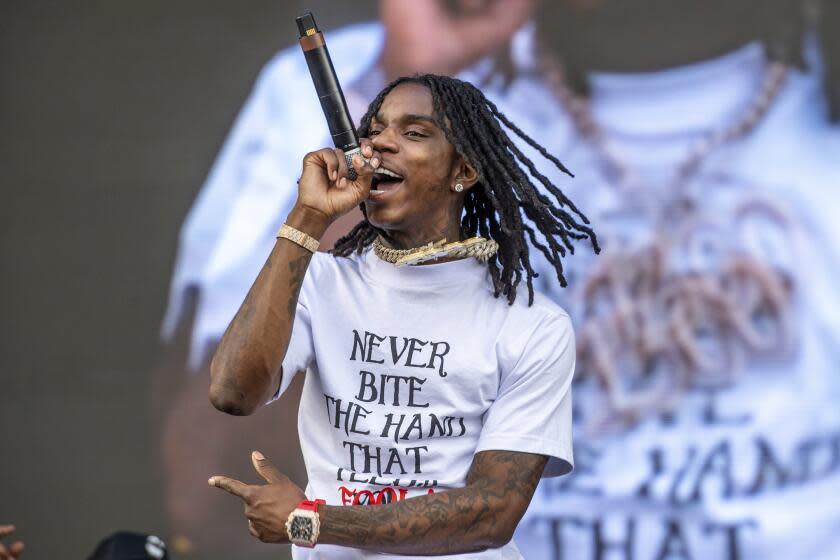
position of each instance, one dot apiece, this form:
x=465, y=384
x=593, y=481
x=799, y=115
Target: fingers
x=326, y=160
x=364, y=171
x=12, y=552
x=333, y=165
x=370, y=153
x=367, y=147
x=266, y=470
x=231, y=485
x=343, y=181
x=253, y=530
x=370, y=160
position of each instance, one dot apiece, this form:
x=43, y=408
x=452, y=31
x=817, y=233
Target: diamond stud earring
x=459, y=187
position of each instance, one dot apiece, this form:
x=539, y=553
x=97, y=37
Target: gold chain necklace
x=620, y=172
x=477, y=247
x=713, y=326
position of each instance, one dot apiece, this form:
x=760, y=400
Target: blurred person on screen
x=701, y=139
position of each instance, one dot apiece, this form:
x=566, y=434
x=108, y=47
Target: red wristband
x=311, y=505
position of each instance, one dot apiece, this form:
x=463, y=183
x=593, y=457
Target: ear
x=465, y=174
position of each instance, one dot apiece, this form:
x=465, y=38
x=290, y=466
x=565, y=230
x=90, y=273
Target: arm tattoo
x=248, y=359
x=297, y=271
x=481, y=515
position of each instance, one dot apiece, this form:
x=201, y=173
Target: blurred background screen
x=149, y=153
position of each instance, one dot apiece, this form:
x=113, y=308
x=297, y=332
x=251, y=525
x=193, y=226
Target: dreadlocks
x=504, y=197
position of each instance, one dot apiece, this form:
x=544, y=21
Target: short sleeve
x=532, y=412
x=301, y=350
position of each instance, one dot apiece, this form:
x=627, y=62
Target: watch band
x=298, y=237
x=311, y=505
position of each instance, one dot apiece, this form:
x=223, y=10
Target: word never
x=412, y=352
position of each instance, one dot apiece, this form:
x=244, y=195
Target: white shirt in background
x=746, y=472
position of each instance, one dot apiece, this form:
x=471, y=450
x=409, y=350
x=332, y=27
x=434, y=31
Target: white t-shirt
x=750, y=470
x=410, y=371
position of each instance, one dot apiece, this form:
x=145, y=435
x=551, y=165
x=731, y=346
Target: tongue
x=388, y=185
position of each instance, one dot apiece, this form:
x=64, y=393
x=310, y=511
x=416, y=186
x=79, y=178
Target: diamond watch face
x=301, y=528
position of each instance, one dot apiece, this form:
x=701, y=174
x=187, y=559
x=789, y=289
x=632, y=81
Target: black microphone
x=329, y=90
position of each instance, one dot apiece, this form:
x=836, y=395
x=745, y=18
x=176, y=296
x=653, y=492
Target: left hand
x=267, y=506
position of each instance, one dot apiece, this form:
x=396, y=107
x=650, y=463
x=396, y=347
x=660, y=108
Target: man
x=231, y=229
x=435, y=391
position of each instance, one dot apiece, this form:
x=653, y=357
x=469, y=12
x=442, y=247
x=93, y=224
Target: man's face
x=414, y=148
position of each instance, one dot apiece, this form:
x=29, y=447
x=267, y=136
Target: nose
x=385, y=141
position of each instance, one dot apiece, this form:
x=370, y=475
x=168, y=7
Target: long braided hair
x=504, y=205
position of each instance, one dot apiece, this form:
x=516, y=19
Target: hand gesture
x=324, y=186
x=267, y=506
x=13, y=551
x=440, y=40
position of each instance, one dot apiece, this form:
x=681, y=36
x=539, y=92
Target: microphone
x=329, y=90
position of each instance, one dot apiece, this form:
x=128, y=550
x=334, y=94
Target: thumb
x=265, y=469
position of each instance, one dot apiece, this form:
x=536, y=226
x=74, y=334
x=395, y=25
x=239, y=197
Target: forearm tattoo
x=297, y=271
x=252, y=338
x=481, y=515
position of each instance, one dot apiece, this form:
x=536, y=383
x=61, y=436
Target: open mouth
x=384, y=181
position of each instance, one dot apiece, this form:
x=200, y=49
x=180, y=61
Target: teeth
x=388, y=172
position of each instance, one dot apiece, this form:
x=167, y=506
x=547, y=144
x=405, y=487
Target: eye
x=414, y=134
x=373, y=132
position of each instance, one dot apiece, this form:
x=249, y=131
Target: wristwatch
x=303, y=524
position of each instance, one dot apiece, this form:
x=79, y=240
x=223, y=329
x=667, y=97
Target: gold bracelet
x=298, y=237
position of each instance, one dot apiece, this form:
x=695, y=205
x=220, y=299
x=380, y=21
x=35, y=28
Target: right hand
x=324, y=187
